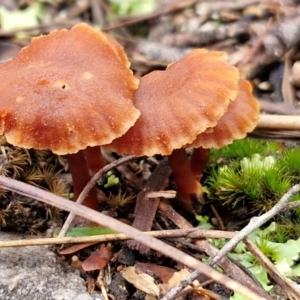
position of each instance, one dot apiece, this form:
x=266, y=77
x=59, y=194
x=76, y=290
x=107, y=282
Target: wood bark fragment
x=145, y=208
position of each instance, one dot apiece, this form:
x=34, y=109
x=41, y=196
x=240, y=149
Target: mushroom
x=177, y=105
x=68, y=91
x=241, y=118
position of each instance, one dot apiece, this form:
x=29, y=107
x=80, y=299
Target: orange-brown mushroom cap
x=177, y=104
x=66, y=91
x=241, y=118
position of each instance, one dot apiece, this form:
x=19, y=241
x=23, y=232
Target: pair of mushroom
x=199, y=101
x=73, y=90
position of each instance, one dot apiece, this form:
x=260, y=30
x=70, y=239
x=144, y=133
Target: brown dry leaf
x=141, y=281
x=198, y=291
x=164, y=273
x=76, y=248
x=98, y=259
x=175, y=280
x=201, y=293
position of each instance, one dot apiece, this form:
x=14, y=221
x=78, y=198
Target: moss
x=255, y=174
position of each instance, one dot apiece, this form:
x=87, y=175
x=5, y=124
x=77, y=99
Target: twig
x=287, y=288
x=90, y=185
x=217, y=216
x=97, y=13
x=174, y=233
x=97, y=217
x=279, y=122
x=257, y=45
x=293, y=205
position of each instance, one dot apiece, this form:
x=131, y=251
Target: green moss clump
x=256, y=174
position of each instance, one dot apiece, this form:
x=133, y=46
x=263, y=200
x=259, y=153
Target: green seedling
x=112, y=180
x=203, y=222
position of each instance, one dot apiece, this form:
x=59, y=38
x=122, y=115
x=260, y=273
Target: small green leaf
x=87, y=231
x=203, y=222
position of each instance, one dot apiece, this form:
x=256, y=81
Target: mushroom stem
x=95, y=160
x=199, y=159
x=188, y=188
x=81, y=176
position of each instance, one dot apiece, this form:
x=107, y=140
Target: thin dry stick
x=253, y=224
x=97, y=217
x=293, y=205
x=217, y=216
x=258, y=44
x=286, y=286
x=174, y=233
x=278, y=122
x=88, y=187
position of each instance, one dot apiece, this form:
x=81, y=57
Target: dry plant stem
x=255, y=223
x=279, y=122
x=81, y=176
x=94, y=216
x=187, y=186
x=293, y=205
x=203, y=244
x=199, y=160
x=287, y=89
x=173, y=233
x=257, y=45
x=219, y=220
x=89, y=186
x=286, y=287
x=95, y=160
x=98, y=13
x=101, y=283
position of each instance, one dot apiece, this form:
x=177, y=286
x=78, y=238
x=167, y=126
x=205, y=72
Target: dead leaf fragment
x=75, y=248
x=98, y=259
x=175, y=280
x=197, y=291
x=141, y=281
x=164, y=273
